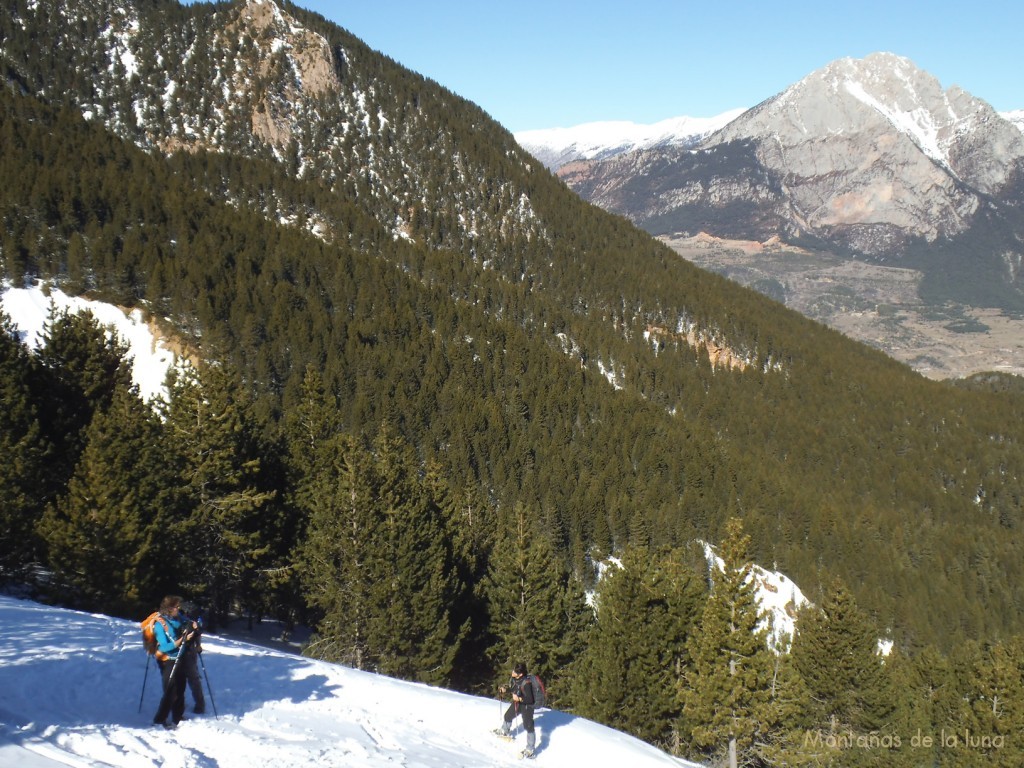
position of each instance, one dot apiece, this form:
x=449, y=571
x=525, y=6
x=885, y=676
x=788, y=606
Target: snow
x=72, y=683
x=603, y=139
x=1016, y=117
x=918, y=123
x=29, y=308
x=779, y=598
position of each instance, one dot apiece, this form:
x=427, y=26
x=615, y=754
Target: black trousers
x=526, y=710
x=173, y=701
x=195, y=682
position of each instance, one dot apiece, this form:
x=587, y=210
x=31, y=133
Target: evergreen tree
x=990, y=717
x=212, y=440
x=107, y=536
x=310, y=427
x=626, y=676
x=336, y=558
x=836, y=654
x=790, y=742
x=375, y=558
x=23, y=452
x=926, y=698
x=84, y=363
x=418, y=584
x=538, y=614
x=727, y=697
x=469, y=528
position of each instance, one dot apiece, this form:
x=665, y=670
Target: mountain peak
x=884, y=93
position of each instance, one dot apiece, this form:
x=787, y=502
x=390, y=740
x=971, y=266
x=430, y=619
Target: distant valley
x=875, y=304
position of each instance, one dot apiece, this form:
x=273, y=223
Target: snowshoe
x=502, y=734
x=527, y=754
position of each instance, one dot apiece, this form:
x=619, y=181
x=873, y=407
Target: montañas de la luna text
x=944, y=739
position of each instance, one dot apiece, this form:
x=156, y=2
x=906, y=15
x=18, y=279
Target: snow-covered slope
x=72, y=683
x=595, y=141
x=29, y=308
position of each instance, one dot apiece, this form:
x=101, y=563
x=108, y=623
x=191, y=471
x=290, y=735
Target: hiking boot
x=199, y=710
x=528, y=754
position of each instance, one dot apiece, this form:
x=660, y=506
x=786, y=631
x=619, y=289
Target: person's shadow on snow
x=547, y=720
x=236, y=683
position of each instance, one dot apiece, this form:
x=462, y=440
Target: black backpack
x=540, y=694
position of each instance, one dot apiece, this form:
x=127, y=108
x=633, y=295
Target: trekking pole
x=144, y=678
x=208, y=688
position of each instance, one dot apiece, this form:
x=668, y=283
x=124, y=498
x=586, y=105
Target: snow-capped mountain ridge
x=1015, y=117
x=594, y=141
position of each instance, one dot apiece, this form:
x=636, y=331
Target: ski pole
x=144, y=678
x=208, y=688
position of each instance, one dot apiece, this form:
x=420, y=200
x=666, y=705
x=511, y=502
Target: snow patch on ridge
x=1016, y=117
x=29, y=309
x=918, y=123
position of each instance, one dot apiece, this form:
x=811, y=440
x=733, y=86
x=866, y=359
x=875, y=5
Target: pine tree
x=626, y=677
x=107, y=535
x=375, y=558
x=211, y=437
x=336, y=557
x=84, y=364
x=990, y=718
x=310, y=427
x=469, y=529
x=836, y=654
x=926, y=697
x=727, y=695
x=537, y=610
x=23, y=452
x=418, y=583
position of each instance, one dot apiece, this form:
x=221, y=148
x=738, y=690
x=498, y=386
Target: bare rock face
x=872, y=148
x=295, y=64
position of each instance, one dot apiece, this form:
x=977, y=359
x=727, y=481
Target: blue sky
x=547, y=63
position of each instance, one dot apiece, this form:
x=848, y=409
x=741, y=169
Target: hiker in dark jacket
x=172, y=635
x=522, y=704
x=191, y=662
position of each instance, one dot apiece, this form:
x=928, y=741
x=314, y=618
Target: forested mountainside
x=545, y=353
x=384, y=286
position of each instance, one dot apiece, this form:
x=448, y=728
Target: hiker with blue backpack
x=527, y=693
x=172, y=632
